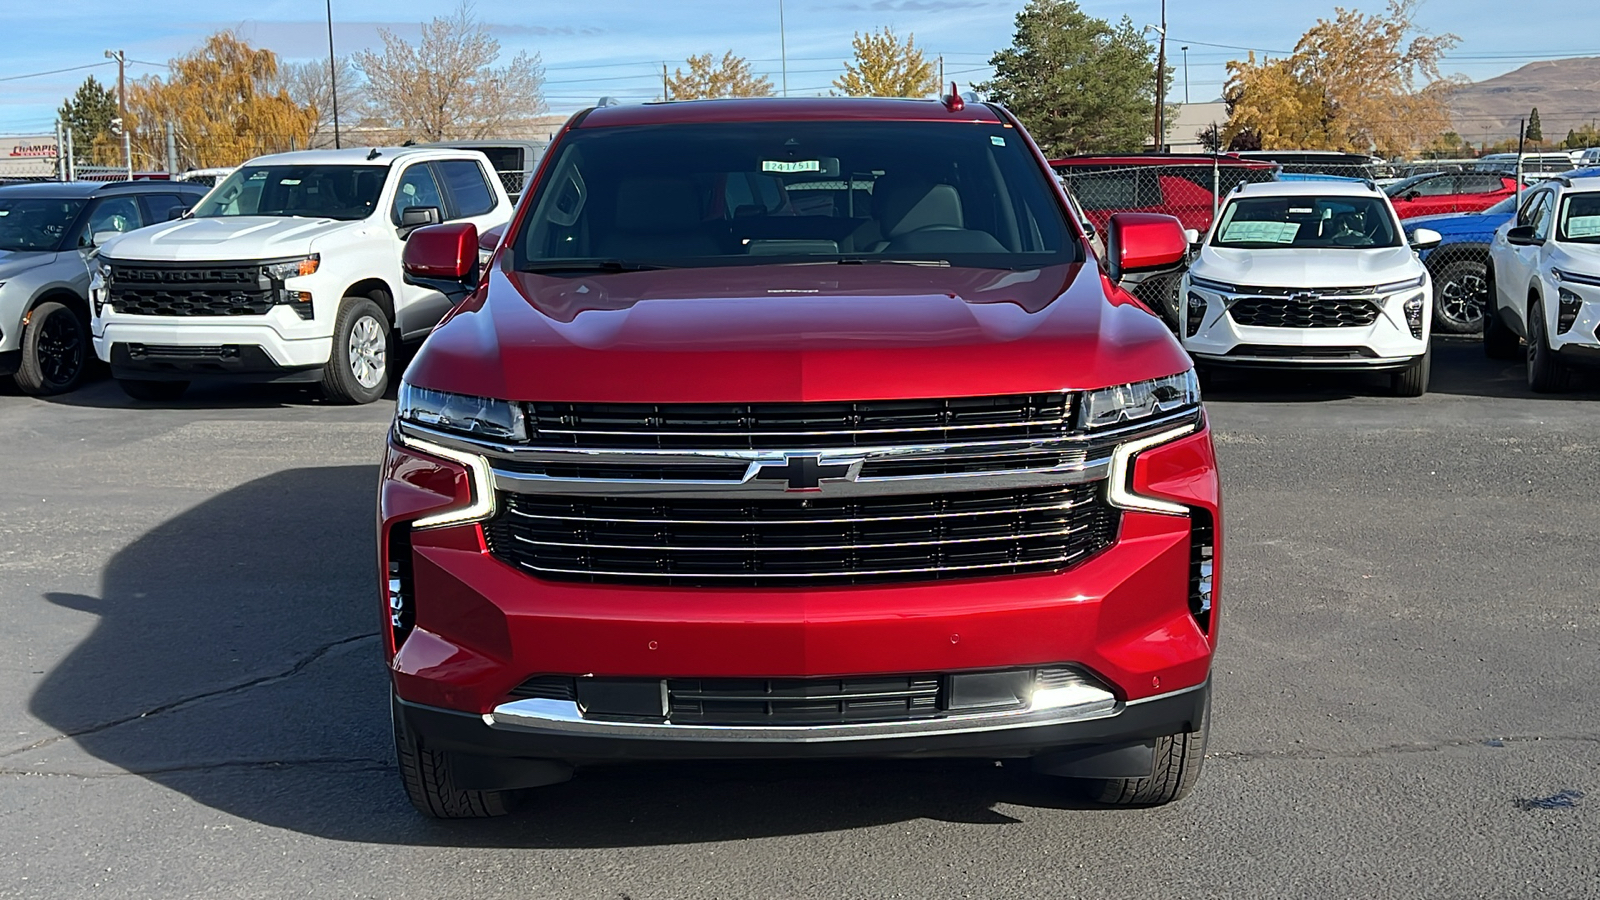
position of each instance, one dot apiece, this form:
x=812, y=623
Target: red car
x=797, y=428
x=1449, y=192
x=1176, y=184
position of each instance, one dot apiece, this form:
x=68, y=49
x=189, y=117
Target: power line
x=55, y=71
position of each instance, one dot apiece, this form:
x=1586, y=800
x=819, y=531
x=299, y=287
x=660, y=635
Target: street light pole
x=333, y=77
x=783, y=49
x=122, y=108
x=1185, y=50
x=1161, y=83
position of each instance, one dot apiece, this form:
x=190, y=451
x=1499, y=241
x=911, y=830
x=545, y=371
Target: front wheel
x=1547, y=374
x=1177, y=765
x=1412, y=381
x=1460, y=296
x=358, y=367
x=55, y=350
x=425, y=775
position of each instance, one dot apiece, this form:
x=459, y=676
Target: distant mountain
x=1566, y=91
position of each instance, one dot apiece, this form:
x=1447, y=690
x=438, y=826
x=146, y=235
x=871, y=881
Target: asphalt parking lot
x=192, y=702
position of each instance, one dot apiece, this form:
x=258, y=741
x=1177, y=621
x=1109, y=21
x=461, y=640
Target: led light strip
x=482, y=505
x=1119, y=480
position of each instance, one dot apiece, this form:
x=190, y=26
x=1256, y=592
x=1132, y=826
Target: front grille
x=182, y=351
x=146, y=290
x=782, y=426
x=791, y=542
x=1303, y=310
x=801, y=701
x=1278, y=351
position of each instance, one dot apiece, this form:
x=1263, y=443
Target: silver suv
x=47, y=231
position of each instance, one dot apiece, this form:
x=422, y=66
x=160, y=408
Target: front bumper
x=471, y=735
x=183, y=362
x=1386, y=343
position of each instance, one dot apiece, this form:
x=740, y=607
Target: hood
x=1584, y=258
x=15, y=262
x=1456, y=223
x=1307, y=268
x=245, y=237
x=794, y=334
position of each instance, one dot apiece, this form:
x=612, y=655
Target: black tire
x=152, y=390
x=1176, y=769
x=55, y=350
x=1499, y=342
x=358, y=365
x=1460, y=296
x=425, y=775
x=1547, y=374
x=1412, y=381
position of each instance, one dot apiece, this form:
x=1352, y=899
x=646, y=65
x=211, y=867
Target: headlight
x=294, y=268
x=461, y=414
x=1140, y=400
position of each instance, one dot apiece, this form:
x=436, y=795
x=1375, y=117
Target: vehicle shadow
x=1460, y=368
x=235, y=661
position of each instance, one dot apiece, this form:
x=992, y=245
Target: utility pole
x=333, y=77
x=1185, y=50
x=783, y=48
x=666, y=90
x=1161, y=84
x=122, y=107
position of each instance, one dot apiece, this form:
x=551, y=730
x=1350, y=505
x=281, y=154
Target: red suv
x=797, y=428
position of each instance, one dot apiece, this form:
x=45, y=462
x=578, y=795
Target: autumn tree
x=1535, y=131
x=1357, y=82
x=88, y=114
x=708, y=79
x=1582, y=137
x=448, y=86
x=884, y=67
x=311, y=84
x=1080, y=84
x=224, y=106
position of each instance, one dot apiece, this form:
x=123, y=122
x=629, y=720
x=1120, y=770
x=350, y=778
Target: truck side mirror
x=443, y=257
x=1144, y=242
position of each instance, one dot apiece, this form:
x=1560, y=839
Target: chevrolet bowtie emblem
x=806, y=473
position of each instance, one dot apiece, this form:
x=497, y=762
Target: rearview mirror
x=1521, y=236
x=1144, y=242
x=1425, y=239
x=413, y=217
x=443, y=257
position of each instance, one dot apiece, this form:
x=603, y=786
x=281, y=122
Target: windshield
x=1399, y=187
x=35, y=223
x=1284, y=223
x=318, y=192
x=1504, y=207
x=1580, y=218
x=795, y=192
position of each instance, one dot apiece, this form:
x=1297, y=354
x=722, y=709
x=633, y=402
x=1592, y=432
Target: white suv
x=288, y=270
x=1544, y=272
x=1315, y=275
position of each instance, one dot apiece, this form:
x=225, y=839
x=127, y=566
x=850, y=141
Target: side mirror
x=490, y=238
x=414, y=217
x=1144, y=242
x=101, y=238
x=1411, y=195
x=1519, y=236
x=443, y=257
x=1192, y=235
x=178, y=212
x=1425, y=239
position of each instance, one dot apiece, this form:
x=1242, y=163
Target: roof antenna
x=952, y=101
x=374, y=154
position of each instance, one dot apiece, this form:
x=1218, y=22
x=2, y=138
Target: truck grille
x=1303, y=310
x=780, y=426
x=788, y=542
x=147, y=290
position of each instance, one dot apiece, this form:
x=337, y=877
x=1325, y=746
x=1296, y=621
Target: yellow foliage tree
x=221, y=105
x=707, y=79
x=884, y=67
x=1357, y=83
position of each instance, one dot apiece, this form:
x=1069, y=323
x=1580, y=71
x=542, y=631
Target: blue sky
x=616, y=47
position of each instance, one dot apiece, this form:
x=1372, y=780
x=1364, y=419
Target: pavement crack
x=1397, y=749
x=185, y=702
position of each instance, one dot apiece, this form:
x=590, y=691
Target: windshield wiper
x=876, y=260
x=589, y=265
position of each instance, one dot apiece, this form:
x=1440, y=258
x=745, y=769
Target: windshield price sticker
x=786, y=167
x=1583, y=226
x=1261, y=232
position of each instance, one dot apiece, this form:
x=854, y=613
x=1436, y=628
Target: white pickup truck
x=289, y=270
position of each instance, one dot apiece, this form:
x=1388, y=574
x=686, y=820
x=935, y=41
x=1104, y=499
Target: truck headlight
x=294, y=268
x=1140, y=400
x=460, y=414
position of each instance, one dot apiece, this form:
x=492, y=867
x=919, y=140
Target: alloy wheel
x=369, y=351
x=61, y=347
x=1462, y=300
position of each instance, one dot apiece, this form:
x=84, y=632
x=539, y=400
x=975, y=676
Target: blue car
x=1460, y=264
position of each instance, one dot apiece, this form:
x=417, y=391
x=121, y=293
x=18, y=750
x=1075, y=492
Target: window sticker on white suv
x=1583, y=226
x=1261, y=232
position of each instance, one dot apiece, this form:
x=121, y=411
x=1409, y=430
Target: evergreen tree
x=88, y=112
x=1535, y=132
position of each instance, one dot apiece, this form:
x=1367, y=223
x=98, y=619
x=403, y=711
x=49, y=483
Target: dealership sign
x=29, y=156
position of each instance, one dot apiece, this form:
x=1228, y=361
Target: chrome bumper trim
x=564, y=717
